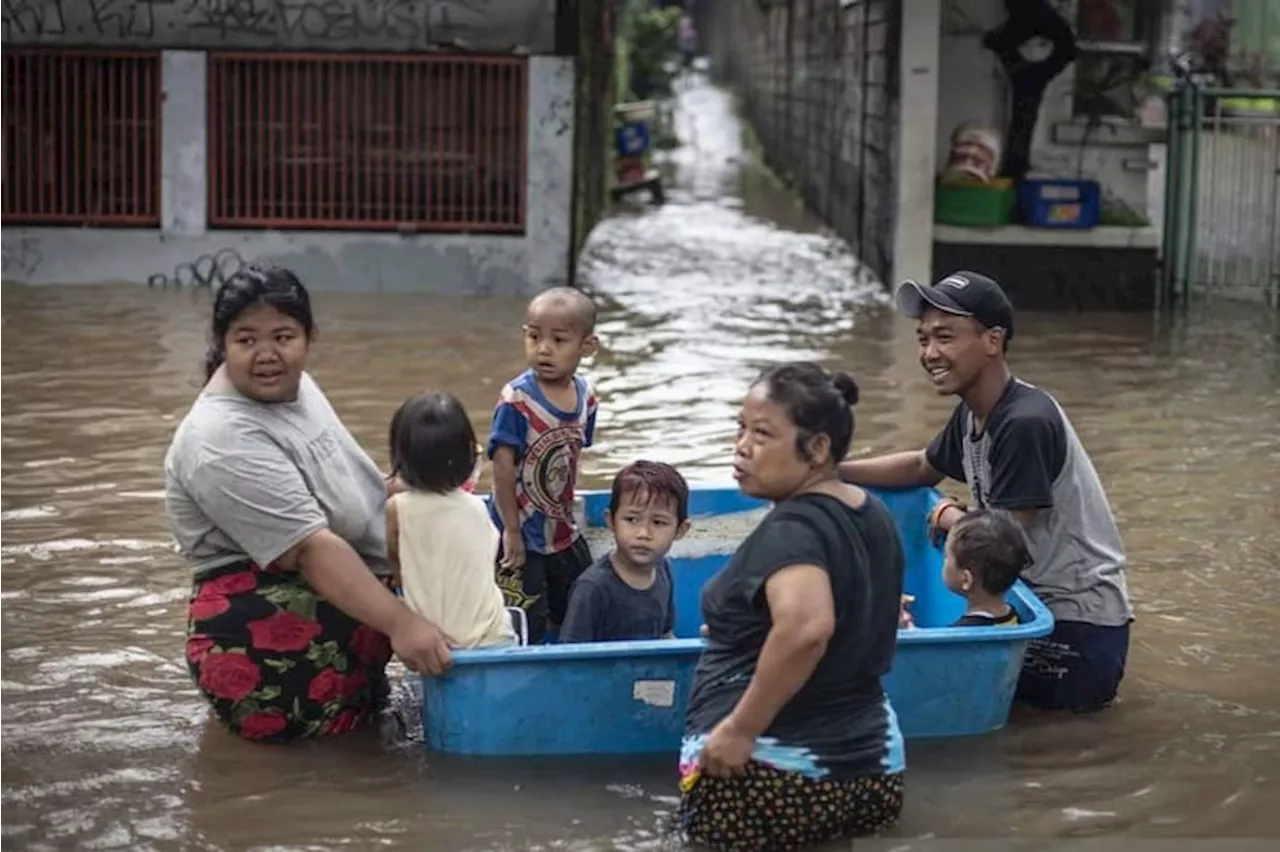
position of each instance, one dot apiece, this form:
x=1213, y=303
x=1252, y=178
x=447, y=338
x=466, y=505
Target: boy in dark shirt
x=986, y=551
x=627, y=594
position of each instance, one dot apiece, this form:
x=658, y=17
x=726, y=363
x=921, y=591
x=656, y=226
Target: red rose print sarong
x=277, y=661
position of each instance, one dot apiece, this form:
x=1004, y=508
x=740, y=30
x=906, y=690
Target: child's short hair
x=433, y=445
x=990, y=543
x=651, y=480
x=575, y=302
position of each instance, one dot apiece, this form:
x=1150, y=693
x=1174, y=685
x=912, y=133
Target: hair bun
x=847, y=387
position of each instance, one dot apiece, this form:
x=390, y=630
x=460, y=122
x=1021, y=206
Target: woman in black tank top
x=790, y=739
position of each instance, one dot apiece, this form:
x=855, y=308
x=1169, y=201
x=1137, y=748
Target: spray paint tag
x=656, y=693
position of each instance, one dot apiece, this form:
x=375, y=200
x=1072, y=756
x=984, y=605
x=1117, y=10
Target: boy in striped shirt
x=543, y=419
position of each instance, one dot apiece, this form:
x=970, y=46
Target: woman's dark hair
x=433, y=445
x=990, y=543
x=655, y=480
x=256, y=284
x=818, y=402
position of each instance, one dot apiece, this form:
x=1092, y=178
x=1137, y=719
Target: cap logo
x=956, y=281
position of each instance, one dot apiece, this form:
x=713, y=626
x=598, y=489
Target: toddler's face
x=553, y=342
x=644, y=529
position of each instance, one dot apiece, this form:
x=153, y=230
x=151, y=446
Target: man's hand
x=946, y=513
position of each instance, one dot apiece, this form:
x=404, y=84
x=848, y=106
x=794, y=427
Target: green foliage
x=652, y=39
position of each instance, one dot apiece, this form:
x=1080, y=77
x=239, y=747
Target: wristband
x=936, y=515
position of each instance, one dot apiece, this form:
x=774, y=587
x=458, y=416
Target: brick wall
x=817, y=81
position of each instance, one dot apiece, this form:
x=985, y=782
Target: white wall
x=918, y=126
x=346, y=260
x=548, y=226
x=184, y=195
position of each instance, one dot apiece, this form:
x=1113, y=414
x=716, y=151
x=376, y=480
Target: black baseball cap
x=965, y=294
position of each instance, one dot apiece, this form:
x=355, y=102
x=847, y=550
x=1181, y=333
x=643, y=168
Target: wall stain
x=22, y=259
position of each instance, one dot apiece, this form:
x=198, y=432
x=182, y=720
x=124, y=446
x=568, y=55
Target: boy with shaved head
x=543, y=419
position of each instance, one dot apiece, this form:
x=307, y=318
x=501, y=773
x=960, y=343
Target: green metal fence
x=1222, y=195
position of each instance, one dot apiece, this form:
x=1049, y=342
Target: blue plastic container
x=631, y=138
x=1060, y=203
x=629, y=697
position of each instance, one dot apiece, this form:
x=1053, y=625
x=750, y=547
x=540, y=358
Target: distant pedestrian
x=688, y=40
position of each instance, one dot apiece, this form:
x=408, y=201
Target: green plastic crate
x=976, y=206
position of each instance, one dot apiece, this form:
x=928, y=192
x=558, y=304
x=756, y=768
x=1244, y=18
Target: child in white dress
x=439, y=536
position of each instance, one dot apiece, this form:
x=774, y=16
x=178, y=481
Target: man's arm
x=943, y=457
x=896, y=470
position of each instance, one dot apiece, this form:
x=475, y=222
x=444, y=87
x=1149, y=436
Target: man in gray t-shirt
x=1015, y=448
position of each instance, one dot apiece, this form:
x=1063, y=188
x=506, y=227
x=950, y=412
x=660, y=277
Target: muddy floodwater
x=106, y=744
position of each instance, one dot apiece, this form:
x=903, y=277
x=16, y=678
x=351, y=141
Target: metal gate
x=1222, y=195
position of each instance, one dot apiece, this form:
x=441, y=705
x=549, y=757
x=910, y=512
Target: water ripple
x=106, y=742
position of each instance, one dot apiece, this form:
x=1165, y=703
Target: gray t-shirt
x=251, y=479
x=604, y=608
x=1029, y=457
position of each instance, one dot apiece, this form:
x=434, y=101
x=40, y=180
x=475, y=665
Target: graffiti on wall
x=21, y=257
x=371, y=24
x=207, y=270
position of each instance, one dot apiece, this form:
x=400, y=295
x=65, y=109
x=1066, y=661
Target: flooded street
x=107, y=745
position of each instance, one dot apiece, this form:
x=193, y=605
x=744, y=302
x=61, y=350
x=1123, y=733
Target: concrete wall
x=1048, y=269
x=183, y=247
x=496, y=26
x=916, y=160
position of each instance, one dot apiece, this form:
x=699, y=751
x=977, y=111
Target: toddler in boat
x=985, y=553
x=627, y=594
x=440, y=540
x=543, y=420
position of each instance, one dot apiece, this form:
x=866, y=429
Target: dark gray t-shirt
x=604, y=608
x=251, y=479
x=1029, y=457
x=840, y=719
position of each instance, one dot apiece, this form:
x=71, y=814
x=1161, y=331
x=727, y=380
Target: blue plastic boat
x=629, y=697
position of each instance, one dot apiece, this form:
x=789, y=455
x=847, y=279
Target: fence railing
x=1222, y=196
x=81, y=137
x=368, y=142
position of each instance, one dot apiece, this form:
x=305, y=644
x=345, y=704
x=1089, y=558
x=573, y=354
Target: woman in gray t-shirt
x=280, y=513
